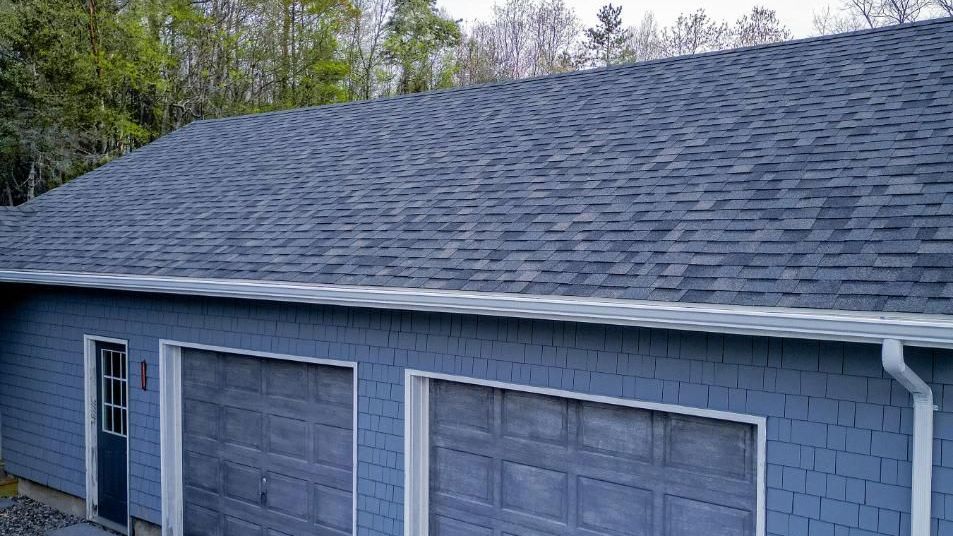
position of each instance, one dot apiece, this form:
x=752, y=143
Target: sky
x=798, y=15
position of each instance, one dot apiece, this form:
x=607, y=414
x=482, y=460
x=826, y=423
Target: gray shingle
x=816, y=173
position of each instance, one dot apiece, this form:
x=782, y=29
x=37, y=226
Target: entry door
x=112, y=393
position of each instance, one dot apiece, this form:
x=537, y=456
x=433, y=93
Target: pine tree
x=606, y=42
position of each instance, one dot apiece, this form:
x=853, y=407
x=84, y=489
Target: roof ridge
x=592, y=71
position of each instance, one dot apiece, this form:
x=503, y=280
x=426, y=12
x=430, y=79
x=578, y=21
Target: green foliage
x=607, y=40
x=419, y=41
x=84, y=81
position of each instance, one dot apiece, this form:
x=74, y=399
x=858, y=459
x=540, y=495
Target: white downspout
x=922, y=458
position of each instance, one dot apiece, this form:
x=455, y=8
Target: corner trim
x=852, y=326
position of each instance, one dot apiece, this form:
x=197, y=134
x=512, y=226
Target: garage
x=267, y=445
x=505, y=462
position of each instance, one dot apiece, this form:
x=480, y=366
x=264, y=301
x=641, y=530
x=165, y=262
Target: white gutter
x=921, y=480
x=913, y=329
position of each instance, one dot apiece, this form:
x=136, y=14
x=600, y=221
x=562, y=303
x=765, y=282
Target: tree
x=476, y=57
x=77, y=85
x=418, y=42
x=903, y=11
x=945, y=6
x=694, y=33
x=828, y=22
x=606, y=41
x=759, y=27
x=883, y=12
x=645, y=42
x=365, y=50
x=524, y=38
x=555, y=29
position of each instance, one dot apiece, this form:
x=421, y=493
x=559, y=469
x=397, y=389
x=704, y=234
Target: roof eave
x=838, y=325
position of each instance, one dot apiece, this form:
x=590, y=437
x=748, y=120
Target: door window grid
x=114, y=392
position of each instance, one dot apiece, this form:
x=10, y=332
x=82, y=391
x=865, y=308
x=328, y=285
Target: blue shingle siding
x=838, y=430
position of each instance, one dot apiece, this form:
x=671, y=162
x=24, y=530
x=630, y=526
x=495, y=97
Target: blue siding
x=838, y=430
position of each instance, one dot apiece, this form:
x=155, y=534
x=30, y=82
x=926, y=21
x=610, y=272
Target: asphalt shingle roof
x=10, y=217
x=817, y=173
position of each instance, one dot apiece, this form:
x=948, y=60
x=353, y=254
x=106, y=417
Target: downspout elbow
x=896, y=366
x=922, y=456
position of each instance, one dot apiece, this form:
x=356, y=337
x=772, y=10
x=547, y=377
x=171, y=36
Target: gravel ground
x=29, y=518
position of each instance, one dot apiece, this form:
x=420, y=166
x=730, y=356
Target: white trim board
x=417, y=438
x=854, y=326
x=170, y=423
x=90, y=384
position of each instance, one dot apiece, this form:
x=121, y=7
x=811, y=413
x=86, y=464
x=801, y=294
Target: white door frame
x=417, y=438
x=170, y=423
x=91, y=407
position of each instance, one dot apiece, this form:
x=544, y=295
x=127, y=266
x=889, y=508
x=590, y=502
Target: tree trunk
x=31, y=181
x=93, y=35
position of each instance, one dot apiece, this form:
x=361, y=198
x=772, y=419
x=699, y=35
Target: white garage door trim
x=417, y=434
x=170, y=423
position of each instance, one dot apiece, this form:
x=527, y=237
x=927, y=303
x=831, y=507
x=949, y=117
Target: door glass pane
x=114, y=389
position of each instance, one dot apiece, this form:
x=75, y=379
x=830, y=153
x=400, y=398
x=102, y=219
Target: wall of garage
x=838, y=429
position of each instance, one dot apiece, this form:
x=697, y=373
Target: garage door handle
x=264, y=491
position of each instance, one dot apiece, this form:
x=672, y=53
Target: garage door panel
x=202, y=521
x=289, y=436
x=730, y=495
x=458, y=405
x=599, y=511
x=714, y=447
x=526, y=464
x=335, y=416
x=286, y=379
x=446, y=526
x=275, y=521
x=202, y=419
x=335, y=477
x=243, y=374
x=203, y=498
x=536, y=491
x=462, y=474
x=201, y=471
x=686, y=517
x=540, y=418
x=334, y=386
x=241, y=427
x=333, y=445
x=281, y=436
x=242, y=482
x=333, y=508
x=288, y=495
x=206, y=375
x=240, y=527
x=616, y=431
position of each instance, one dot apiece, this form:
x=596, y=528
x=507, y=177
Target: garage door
x=508, y=463
x=267, y=446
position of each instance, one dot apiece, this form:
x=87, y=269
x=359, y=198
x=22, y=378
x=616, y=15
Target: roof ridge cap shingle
x=591, y=72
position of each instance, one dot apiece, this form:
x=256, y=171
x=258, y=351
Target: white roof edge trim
x=854, y=326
